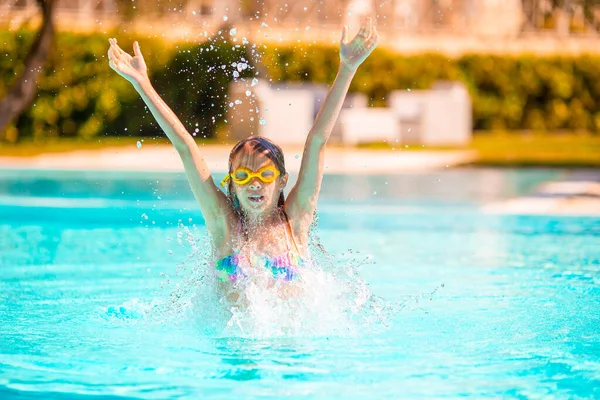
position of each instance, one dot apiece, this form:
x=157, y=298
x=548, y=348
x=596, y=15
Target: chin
x=255, y=209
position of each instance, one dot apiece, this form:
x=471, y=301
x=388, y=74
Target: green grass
x=562, y=149
x=537, y=149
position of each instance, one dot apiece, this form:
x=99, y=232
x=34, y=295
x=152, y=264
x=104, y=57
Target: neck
x=265, y=219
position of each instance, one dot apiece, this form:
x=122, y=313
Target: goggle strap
x=225, y=180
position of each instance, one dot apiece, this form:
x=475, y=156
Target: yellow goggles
x=242, y=176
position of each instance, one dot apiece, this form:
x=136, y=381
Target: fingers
x=118, y=50
x=373, y=39
x=363, y=30
x=345, y=34
x=112, y=50
x=113, y=44
x=112, y=55
x=366, y=29
x=136, y=49
x=115, y=55
x=369, y=28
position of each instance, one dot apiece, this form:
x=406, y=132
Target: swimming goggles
x=242, y=176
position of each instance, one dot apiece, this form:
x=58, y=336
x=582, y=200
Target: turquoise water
x=84, y=255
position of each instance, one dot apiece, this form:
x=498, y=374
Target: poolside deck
x=165, y=158
x=577, y=193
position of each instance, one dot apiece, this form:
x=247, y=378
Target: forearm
x=165, y=117
x=331, y=107
x=194, y=164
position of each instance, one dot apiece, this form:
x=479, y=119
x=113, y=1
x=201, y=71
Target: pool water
x=492, y=305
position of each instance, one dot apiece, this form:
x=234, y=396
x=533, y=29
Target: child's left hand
x=353, y=53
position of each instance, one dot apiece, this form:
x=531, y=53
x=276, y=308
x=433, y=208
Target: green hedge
x=508, y=92
x=80, y=96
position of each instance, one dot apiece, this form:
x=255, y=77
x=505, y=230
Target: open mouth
x=256, y=199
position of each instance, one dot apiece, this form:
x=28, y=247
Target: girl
x=255, y=231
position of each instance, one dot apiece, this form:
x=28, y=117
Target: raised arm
x=302, y=201
x=212, y=201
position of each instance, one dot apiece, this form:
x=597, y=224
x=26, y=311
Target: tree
x=21, y=95
x=535, y=9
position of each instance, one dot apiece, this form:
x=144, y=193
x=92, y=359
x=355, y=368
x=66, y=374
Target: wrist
x=142, y=86
x=347, y=68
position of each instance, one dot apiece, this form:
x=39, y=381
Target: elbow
x=316, y=140
x=185, y=146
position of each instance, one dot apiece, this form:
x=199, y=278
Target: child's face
x=257, y=197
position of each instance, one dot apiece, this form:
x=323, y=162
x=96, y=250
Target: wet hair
x=255, y=145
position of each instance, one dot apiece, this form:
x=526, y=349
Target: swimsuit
x=285, y=267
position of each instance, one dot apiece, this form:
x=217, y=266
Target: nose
x=254, y=184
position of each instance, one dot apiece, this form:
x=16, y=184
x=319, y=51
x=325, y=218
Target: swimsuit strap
x=287, y=239
x=291, y=233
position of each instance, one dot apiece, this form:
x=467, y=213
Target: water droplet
x=225, y=18
x=236, y=74
x=233, y=31
x=244, y=40
x=408, y=89
x=297, y=156
x=262, y=121
x=264, y=25
x=248, y=93
x=144, y=216
x=238, y=102
x=139, y=144
x=254, y=81
x=230, y=104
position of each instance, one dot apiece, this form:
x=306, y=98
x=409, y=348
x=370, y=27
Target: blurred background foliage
x=522, y=92
x=80, y=96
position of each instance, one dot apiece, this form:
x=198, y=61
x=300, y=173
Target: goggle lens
x=239, y=176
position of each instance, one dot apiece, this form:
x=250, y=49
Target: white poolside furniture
x=368, y=125
x=282, y=114
x=440, y=116
x=352, y=101
x=285, y=113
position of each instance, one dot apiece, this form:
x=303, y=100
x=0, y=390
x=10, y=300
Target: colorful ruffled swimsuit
x=285, y=267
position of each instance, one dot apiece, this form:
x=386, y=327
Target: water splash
x=330, y=299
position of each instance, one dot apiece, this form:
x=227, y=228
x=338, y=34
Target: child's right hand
x=131, y=68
